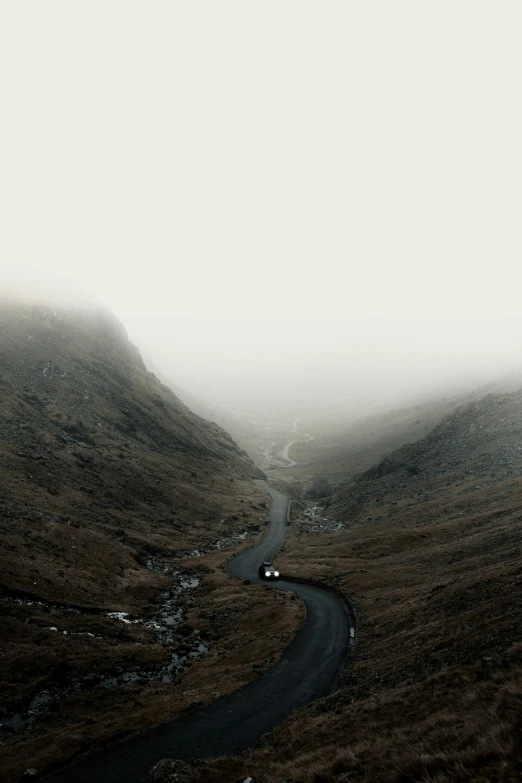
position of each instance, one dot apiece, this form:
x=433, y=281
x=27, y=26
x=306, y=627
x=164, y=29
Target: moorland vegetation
x=109, y=485
x=430, y=551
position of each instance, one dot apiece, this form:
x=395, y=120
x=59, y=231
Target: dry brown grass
x=248, y=626
x=102, y=468
x=433, y=693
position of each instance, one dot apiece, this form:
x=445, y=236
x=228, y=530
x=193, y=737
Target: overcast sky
x=254, y=187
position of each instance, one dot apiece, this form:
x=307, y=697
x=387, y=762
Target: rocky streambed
x=228, y=541
x=317, y=522
x=167, y=622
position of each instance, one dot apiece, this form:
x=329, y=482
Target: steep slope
x=341, y=451
x=86, y=431
x=106, y=477
x=430, y=547
x=482, y=439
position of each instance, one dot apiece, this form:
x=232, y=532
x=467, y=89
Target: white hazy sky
x=257, y=186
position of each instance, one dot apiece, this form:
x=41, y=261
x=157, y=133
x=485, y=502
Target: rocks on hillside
x=483, y=439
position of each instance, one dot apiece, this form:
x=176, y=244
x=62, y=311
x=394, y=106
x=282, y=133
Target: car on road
x=267, y=571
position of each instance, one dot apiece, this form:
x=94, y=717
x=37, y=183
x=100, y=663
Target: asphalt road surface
x=308, y=669
x=286, y=455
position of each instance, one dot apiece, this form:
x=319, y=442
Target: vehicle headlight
x=276, y=573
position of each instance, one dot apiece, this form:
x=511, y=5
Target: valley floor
x=434, y=690
x=100, y=676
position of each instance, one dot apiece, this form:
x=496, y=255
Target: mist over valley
x=260, y=392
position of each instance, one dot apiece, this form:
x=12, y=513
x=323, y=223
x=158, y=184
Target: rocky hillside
x=480, y=440
x=341, y=451
x=106, y=477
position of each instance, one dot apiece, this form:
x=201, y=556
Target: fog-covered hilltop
x=106, y=475
x=477, y=441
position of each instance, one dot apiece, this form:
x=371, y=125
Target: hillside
x=106, y=478
x=342, y=450
x=479, y=440
x=430, y=550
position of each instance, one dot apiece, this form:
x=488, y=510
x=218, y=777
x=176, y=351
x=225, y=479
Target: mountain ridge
x=107, y=478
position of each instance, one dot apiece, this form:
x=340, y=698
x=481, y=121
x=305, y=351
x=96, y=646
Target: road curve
x=285, y=454
x=308, y=669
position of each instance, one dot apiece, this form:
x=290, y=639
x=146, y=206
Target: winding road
x=285, y=455
x=308, y=669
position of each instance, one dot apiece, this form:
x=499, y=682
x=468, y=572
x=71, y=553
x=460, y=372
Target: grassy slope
x=432, y=554
x=102, y=467
x=341, y=451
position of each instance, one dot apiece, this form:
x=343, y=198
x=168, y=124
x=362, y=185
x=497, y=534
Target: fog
x=284, y=202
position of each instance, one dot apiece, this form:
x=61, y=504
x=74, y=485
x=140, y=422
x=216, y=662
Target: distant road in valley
x=285, y=455
x=308, y=669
